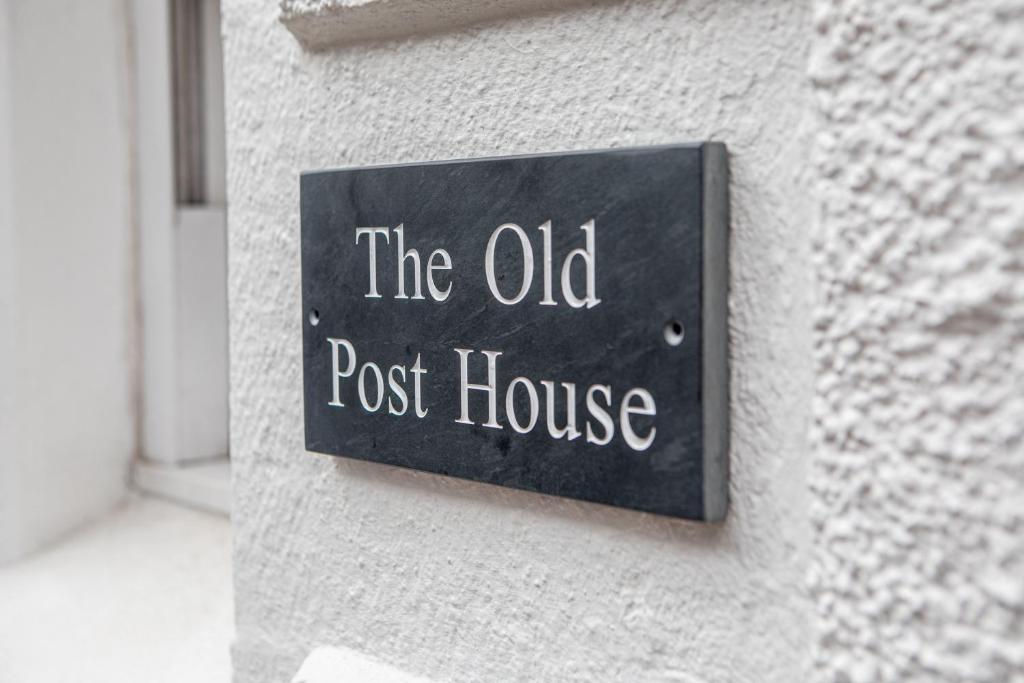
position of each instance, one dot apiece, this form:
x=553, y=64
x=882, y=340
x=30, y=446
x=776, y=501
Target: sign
x=555, y=323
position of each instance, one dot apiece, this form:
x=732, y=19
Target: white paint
x=589, y=256
x=402, y=257
x=378, y=389
x=142, y=595
x=336, y=372
x=569, y=431
x=527, y=278
x=490, y=388
x=66, y=278
x=397, y=390
x=418, y=371
x=8, y=488
x=545, y=231
x=459, y=581
x=436, y=293
x=600, y=414
x=510, y=405
x=155, y=212
x=628, y=409
x=917, y=483
x=371, y=240
x=181, y=249
x=396, y=387
x=342, y=665
x=201, y=320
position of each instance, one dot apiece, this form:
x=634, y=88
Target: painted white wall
x=877, y=317
x=918, y=475
x=7, y=485
x=458, y=581
x=66, y=293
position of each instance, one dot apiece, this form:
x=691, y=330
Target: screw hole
x=674, y=332
x=314, y=317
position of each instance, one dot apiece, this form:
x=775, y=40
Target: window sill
x=202, y=485
x=121, y=600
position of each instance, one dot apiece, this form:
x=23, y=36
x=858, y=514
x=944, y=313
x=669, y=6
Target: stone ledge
x=324, y=24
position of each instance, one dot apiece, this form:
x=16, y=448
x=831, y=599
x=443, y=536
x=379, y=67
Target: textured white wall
x=466, y=582
x=67, y=429
x=918, y=476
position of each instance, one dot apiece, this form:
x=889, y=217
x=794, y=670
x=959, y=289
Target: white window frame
x=182, y=269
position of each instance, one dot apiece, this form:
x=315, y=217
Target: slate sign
x=555, y=323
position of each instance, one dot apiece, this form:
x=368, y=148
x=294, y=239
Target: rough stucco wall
x=466, y=582
x=918, y=477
